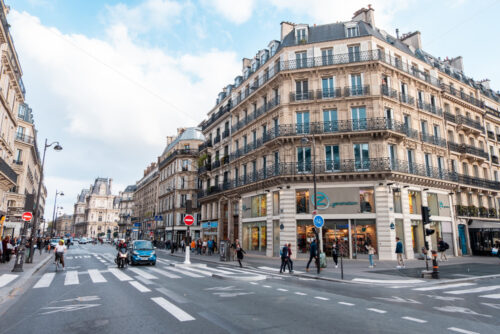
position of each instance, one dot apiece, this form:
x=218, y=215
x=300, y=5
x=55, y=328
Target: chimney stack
x=286, y=28
x=365, y=15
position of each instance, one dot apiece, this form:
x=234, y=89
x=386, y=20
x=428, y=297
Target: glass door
x=358, y=118
x=356, y=86
x=302, y=122
x=361, y=157
x=303, y=159
x=332, y=158
x=330, y=121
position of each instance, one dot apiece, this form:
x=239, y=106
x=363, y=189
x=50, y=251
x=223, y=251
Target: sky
x=111, y=79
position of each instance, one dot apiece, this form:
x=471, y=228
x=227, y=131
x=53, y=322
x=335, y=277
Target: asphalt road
x=92, y=295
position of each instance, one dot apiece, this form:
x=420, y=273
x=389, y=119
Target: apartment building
x=64, y=225
x=126, y=207
x=381, y=125
x=146, y=204
x=79, y=213
x=178, y=184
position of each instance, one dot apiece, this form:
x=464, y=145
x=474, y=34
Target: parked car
x=54, y=242
x=142, y=251
x=76, y=240
x=82, y=241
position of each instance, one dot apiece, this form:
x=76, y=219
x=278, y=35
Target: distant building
x=146, y=203
x=126, y=206
x=64, y=225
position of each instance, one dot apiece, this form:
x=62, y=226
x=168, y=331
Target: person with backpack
x=442, y=247
x=290, y=262
x=313, y=254
x=284, y=258
x=335, y=253
x=239, y=252
x=399, y=253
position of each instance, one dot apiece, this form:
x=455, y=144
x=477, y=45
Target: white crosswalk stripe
x=119, y=274
x=139, y=286
x=493, y=296
x=164, y=273
x=444, y=286
x=163, y=261
x=184, y=272
x=480, y=289
x=45, y=281
x=96, y=276
x=142, y=273
x=277, y=270
x=6, y=279
x=71, y=278
x=199, y=271
x=172, y=309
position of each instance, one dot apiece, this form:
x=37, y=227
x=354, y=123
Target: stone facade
x=126, y=212
x=146, y=203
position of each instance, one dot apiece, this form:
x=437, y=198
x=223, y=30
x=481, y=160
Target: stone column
x=385, y=216
x=269, y=224
x=288, y=219
x=230, y=220
x=408, y=242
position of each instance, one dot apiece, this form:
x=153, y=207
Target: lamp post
x=54, y=226
x=173, y=221
x=54, y=212
x=18, y=266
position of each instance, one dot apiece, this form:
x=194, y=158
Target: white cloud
x=148, y=15
x=236, y=11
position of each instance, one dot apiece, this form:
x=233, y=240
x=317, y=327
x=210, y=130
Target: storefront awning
x=485, y=224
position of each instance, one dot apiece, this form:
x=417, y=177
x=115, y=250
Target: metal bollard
x=435, y=267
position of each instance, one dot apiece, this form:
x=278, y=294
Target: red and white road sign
x=188, y=220
x=27, y=216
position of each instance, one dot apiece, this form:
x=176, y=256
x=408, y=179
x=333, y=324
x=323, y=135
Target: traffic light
x=429, y=231
x=426, y=216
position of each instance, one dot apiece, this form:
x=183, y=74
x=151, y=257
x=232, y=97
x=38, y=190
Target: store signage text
x=323, y=202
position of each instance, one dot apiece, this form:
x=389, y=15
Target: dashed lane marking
x=460, y=330
x=493, y=296
x=444, y=286
x=301, y=293
x=345, y=303
x=481, y=289
x=322, y=298
x=172, y=309
x=376, y=310
x=71, y=278
x=266, y=286
x=284, y=290
x=421, y=321
x=253, y=283
x=139, y=286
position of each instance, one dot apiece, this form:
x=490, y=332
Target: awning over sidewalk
x=484, y=224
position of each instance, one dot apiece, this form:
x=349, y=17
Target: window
x=301, y=59
x=276, y=163
x=361, y=157
x=366, y=200
x=465, y=168
x=330, y=123
x=414, y=201
x=356, y=85
x=301, y=35
x=428, y=164
x=259, y=206
x=396, y=197
x=19, y=154
x=392, y=155
x=354, y=54
x=302, y=122
x=303, y=159
x=186, y=147
x=495, y=175
x=410, y=154
x=352, y=32
x=453, y=166
x=328, y=86
x=440, y=161
x=433, y=204
x=276, y=203
x=301, y=90
x=327, y=56
x=332, y=157
x=358, y=118
x=302, y=201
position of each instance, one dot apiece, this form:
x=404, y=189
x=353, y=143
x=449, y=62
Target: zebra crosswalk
x=465, y=288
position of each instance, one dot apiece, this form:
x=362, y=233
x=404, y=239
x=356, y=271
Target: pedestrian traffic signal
x=426, y=216
x=429, y=231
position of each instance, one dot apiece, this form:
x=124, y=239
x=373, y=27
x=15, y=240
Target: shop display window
x=276, y=203
x=366, y=200
x=433, y=204
x=396, y=196
x=302, y=201
x=363, y=233
x=415, y=202
x=259, y=206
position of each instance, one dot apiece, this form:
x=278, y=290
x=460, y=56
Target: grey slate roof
x=188, y=134
x=97, y=185
x=83, y=194
x=131, y=188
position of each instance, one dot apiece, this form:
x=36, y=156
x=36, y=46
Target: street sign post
x=188, y=220
x=27, y=216
x=319, y=221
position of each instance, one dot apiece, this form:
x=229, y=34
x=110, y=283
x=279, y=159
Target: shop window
x=396, y=196
x=259, y=206
x=363, y=234
x=366, y=200
x=417, y=236
x=302, y=201
x=415, y=202
x=276, y=203
x=433, y=204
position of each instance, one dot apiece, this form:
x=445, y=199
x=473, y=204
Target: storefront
x=209, y=230
x=254, y=236
x=484, y=235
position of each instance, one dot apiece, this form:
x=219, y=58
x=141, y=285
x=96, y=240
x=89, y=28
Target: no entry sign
x=188, y=220
x=27, y=216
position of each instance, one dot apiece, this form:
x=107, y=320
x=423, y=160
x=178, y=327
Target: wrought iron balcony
x=175, y=153
x=469, y=122
x=302, y=96
x=429, y=108
x=433, y=140
x=215, y=164
x=17, y=162
x=450, y=117
x=405, y=98
x=7, y=172
x=461, y=95
x=225, y=133
x=467, y=149
x=216, y=139
x=478, y=182
x=356, y=91
x=222, y=111
x=473, y=211
x=389, y=92
x=328, y=93
x=25, y=138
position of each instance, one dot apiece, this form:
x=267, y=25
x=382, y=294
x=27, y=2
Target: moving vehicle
x=142, y=251
x=54, y=242
x=82, y=241
x=122, y=259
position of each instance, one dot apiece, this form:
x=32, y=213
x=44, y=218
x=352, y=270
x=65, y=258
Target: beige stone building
x=100, y=210
x=178, y=183
x=64, y=225
x=145, y=204
x=126, y=211
x=385, y=127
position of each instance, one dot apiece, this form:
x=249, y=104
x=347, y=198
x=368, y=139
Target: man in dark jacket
x=399, y=253
x=313, y=253
x=442, y=247
x=284, y=258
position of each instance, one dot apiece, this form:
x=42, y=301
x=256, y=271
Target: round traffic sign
x=27, y=216
x=318, y=221
x=188, y=220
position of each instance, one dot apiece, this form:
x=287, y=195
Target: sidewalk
x=10, y=290
x=457, y=268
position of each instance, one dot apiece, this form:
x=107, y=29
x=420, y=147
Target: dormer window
x=301, y=34
x=351, y=30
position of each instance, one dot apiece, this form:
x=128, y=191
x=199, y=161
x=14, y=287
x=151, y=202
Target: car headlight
x=154, y=253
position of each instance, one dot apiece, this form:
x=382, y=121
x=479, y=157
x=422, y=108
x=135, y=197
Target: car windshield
x=145, y=245
x=54, y=240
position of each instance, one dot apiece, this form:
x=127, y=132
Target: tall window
x=392, y=155
x=414, y=201
x=358, y=118
x=301, y=59
x=410, y=154
x=354, y=54
x=440, y=161
x=361, y=157
x=356, y=85
x=276, y=163
x=301, y=35
x=302, y=201
x=428, y=164
x=303, y=159
x=328, y=86
x=19, y=154
x=303, y=122
x=330, y=123
x=332, y=157
x=327, y=56
x=352, y=32
x=301, y=90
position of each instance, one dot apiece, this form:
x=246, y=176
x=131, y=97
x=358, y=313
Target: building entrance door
x=462, y=239
x=276, y=238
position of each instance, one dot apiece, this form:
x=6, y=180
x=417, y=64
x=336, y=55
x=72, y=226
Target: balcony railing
x=222, y=111
x=177, y=153
x=469, y=122
x=433, y=140
x=474, y=211
x=429, y=108
x=405, y=98
x=328, y=93
x=17, y=162
x=478, y=182
x=25, y=138
x=216, y=139
x=216, y=164
x=450, y=117
x=8, y=172
x=258, y=112
x=461, y=95
x=467, y=149
x=356, y=91
x=389, y=92
x=225, y=134
x=302, y=96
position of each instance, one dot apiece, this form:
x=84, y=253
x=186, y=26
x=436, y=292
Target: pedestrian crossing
x=467, y=288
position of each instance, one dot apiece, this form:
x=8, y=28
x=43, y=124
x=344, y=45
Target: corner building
x=385, y=127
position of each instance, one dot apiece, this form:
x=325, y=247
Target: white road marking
x=253, y=283
x=232, y=294
x=393, y=281
x=199, y=271
x=277, y=270
x=240, y=271
x=139, y=286
x=172, y=309
x=6, y=279
x=219, y=271
x=120, y=275
x=444, y=298
x=444, y=286
x=284, y=290
x=460, y=330
x=69, y=258
x=184, y=272
x=481, y=289
x=344, y=303
x=376, y=310
x=397, y=299
x=458, y=309
x=45, y=280
x=266, y=286
x=301, y=293
x=415, y=320
x=142, y=273
x=71, y=278
x=96, y=276
x=164, y=273
x=322, y=298
x=163, y=261
x=86, y=256
x=68, y=308
x=494, y=296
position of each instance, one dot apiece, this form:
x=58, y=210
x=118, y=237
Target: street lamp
x=18, y=266
x=173, y=221
x=315, y=201
x=53, y=228
x=54, y=212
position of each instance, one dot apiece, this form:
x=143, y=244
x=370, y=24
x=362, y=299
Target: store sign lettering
x=343, y=203
x=442, y=206
x=323, y=202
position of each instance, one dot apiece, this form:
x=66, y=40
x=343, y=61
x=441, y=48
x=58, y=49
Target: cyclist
x=59, y=252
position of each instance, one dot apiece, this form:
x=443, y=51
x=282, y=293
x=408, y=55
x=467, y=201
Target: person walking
x=204, y=245
x=371, y=252
x=284, y=258
x=335, y=253
x=313, y=253
x=210, y=245
x=399, y=253
x=239, y=252
x=290, y=262
x=442, y=247
x=39, y=245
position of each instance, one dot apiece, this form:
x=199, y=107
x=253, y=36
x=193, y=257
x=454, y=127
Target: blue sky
x=111, y=79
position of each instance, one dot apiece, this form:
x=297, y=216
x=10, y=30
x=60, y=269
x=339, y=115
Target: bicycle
x=58, y=261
